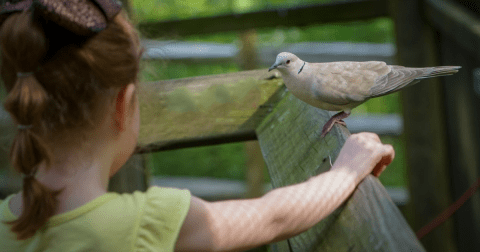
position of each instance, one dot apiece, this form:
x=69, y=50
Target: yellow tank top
x=148, y=221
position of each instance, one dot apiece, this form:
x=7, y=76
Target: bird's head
x=286, y=62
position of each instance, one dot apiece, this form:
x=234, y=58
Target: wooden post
x=425, y=127
x=10, y=181
x=293, y=150
x=463, y=104
x=7, y=130
x=248, y=51
x=133, y=175
x=255, y=164
x=254, y=174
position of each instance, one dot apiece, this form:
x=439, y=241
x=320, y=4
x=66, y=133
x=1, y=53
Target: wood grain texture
x=290, y=141
x=205, y=110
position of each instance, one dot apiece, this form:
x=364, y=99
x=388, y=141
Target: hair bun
x=82, y=17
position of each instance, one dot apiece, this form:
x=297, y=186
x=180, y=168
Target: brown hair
x=72, y=77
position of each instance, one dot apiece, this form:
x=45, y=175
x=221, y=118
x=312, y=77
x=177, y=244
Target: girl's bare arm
x=237, y=225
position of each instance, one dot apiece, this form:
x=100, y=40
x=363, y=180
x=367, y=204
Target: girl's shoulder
x=161, y=212
x=155, y=196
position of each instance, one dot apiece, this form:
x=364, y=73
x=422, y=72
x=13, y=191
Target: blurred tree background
x=229, y=160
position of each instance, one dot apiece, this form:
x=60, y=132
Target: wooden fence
x=288, y=132
x=441, y=129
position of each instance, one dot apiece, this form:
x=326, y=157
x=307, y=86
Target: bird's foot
x=341, y=122
x=337, y=118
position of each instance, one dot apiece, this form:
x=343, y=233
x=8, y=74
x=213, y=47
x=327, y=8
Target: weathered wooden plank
x=205, y=110
x=456, y=21
x=381, y=124
x=337, y=11
x=424, y=126
x=131, y=177
x=158, y=99
x=462, y=110
x=290, y=141
x=208, y=52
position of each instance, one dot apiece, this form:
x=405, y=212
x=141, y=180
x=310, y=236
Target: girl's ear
x=123, y=107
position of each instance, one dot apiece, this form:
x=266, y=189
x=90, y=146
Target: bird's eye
x=288, y=62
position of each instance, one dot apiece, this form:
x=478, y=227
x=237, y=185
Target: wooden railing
x=288, y=132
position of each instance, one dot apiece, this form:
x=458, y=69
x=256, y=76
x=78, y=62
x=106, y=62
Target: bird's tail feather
x=441, y=71
x=396, y=79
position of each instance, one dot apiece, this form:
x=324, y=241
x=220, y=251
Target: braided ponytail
x=23, y=46
x=59, y=86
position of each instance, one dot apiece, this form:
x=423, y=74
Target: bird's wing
x=396, y=79
x=345, y=82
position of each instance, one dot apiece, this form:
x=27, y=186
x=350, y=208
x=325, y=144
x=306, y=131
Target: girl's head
x=60, y=86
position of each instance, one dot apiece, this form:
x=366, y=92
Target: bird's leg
x=337, y=118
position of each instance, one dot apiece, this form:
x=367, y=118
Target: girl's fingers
x=365, y=139
x=375, y=156
x=386, y=157
x=373, y=136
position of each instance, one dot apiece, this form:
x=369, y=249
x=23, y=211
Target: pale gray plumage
x=342, y=86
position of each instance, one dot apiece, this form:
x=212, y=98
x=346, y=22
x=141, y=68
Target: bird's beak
x=275, y=65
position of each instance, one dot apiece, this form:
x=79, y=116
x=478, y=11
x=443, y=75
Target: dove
x=343, y=85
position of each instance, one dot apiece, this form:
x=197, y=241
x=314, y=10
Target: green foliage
x=373, y=31
x=147, y=10
x=395, y=174
x=389, y=104
x=219, y=161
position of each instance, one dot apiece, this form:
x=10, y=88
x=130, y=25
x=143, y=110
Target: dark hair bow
x=82, y=17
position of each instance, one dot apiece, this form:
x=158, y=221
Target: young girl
x=74, y=100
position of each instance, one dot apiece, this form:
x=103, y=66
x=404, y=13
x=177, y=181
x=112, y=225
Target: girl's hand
x=363, y=154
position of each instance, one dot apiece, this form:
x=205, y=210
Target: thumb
x=386, y=157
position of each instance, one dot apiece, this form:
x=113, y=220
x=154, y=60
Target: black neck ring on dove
x=301, y=68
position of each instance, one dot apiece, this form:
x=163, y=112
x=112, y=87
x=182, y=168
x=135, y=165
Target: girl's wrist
x=347, y=172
